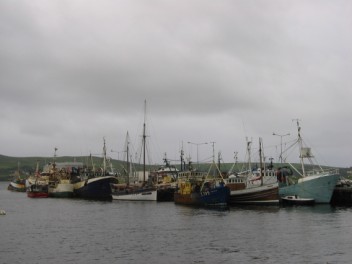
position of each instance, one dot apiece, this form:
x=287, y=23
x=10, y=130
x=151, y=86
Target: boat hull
x=165, y=194
x=136, y=195
x=187, y=199
x=61, y=190
x=37, y=191
x=265, y=195
x=17, y=186
x=95, y=188
x=37, y=194
x=218, y=196
x=294, y=200
x=342, y=195
x=318, y=187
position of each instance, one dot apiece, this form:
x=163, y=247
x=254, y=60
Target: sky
x=76, y=72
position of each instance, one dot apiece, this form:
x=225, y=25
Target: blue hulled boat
x=200, y=189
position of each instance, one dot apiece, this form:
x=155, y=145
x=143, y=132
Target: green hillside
x=27, y=165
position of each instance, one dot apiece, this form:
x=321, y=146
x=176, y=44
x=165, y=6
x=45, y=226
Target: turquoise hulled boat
x=317, y=184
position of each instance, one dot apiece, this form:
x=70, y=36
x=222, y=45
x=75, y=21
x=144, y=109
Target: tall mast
x=144, y=139
x=300, y=143
x=37, y=169
x=128, y=163
x=54, y=164
x=18, y=170
x=92, y=162
x=249, y=155
x=104, y=158
x=181, y=157
x=261, y=161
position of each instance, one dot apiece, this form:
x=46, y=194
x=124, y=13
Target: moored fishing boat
x=195, y=190
x=165, y=192
x=206, y=189
x=61, y=188
x=144, y=190
x=38, y=190
x=60, y=185
x=317, y=183
x=342, y=194
x=165, y=178
x=94, y=185
x=17, y=184
x=37, y=185
x=134, y=193
x=255, y=187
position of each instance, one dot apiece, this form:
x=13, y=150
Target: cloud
x=72, y=72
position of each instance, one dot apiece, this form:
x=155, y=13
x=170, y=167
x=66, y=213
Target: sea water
x=54, y=230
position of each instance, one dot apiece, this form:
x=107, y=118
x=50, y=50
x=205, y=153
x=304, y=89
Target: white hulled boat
x=145, y=191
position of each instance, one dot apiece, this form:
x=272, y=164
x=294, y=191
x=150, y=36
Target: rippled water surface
x=78, y=231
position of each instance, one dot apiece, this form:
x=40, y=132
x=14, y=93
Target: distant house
x=64, y=165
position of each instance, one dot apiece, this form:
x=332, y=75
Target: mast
x=144, y=139
x=54, y=165
x=261, y=161
x=249, y=143
x=18, y=170
x=234, y=164
x=104, y=158
x=37, y=169
x=219, y=159
x=300, y=143
x=92, y=162
x=37, y=172
x=181, y=157
x=128, y=163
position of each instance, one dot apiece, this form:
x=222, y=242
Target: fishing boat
x=94, y=188
x=134, y=193
x=205, y=189
x=342, y=194
x=318, y=183
x=37, y=185
x=60, y=184
x=17, y=183
x=144, y=191
x=59, y=174
x=253, y=186
x=94, y=184
x=296, y=200
x=195, y=189
x=38, y=190
x=165, y=178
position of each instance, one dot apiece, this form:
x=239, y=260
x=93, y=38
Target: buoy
x=2, y=212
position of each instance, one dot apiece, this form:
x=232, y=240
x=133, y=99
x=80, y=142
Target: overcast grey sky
x=75, y=71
